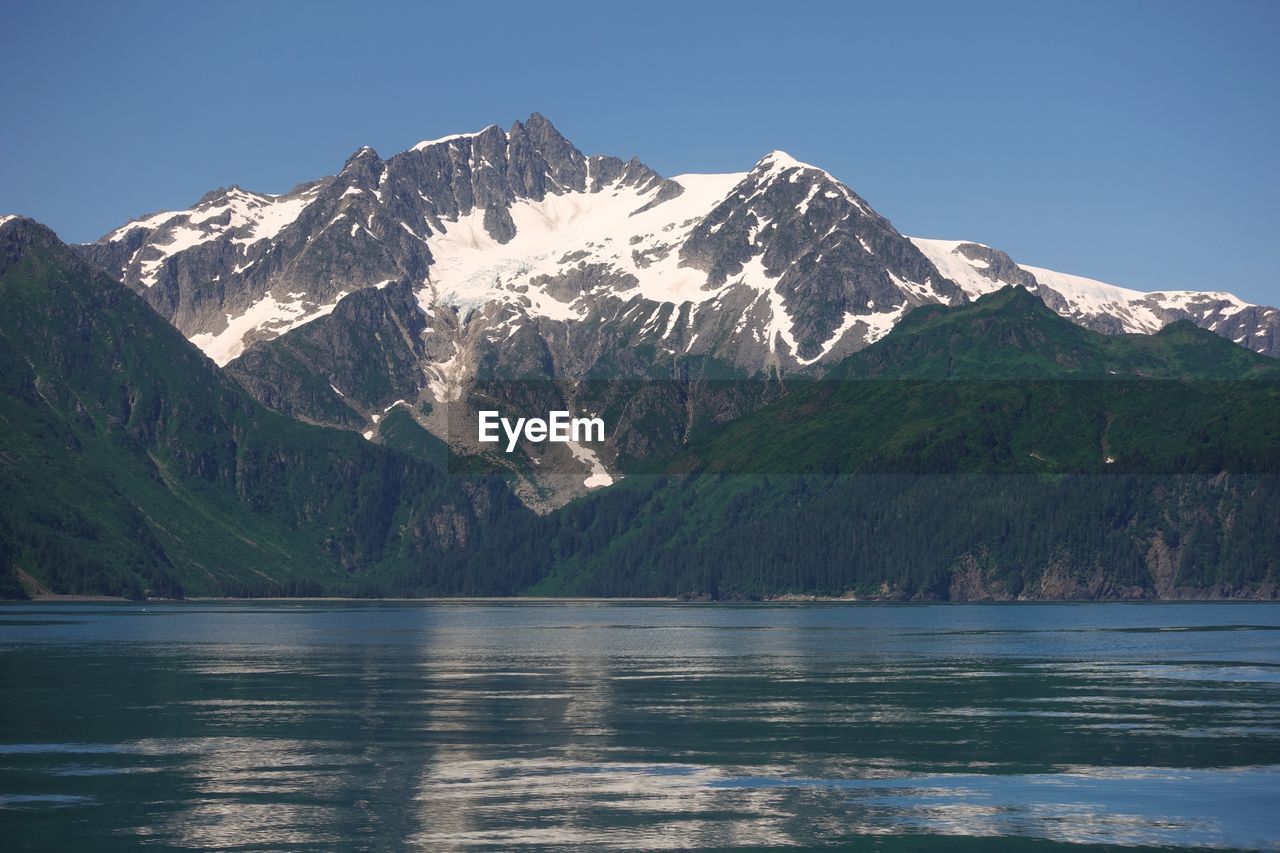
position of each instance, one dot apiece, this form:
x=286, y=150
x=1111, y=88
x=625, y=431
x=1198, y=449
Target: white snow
x=850, y=320
x=1083, y=288
x=181, y=237
x=1085, y=297
x=946, y=256
x=427, y=143
x=471, y=268
x=413, y=233
x=781, y=161
x=266, y=314
x=445, y=378
x=754, y=275
x=252, y=216
x=599, y=475
x=268, y=220
x=881, y=323
x=155, y=220
x=803, y=207
x=1088, y=296
x=775, y=163
x=7, y=217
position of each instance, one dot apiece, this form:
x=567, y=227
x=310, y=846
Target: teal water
x=341, y=725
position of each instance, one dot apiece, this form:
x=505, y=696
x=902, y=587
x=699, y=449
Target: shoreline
x=54, y=598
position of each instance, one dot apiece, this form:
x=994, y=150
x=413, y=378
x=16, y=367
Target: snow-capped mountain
x=1106, y=308
x=512, y=255
x=780, y=268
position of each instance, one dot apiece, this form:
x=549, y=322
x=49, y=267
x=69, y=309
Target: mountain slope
x=1006, y=386
x=985, y=450
x=979, y=269
x=133, y=465
x=1113, y=467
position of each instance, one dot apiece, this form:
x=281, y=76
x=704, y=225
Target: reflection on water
x=445, y=726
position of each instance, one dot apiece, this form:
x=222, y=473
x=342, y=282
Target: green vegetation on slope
x=1089, y=466
x=133, y=466
x=964, y=456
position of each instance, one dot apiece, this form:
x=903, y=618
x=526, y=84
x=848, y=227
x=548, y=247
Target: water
x=638, y=726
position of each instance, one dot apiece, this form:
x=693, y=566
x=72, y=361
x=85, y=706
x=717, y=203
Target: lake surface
x=355, y=725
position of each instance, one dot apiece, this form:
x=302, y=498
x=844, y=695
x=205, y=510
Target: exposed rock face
x=379, y=349
x=969, y=582
x=837, y=263
x=339, y=370
x=241, y=266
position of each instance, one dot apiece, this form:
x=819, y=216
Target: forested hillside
x=992, y=450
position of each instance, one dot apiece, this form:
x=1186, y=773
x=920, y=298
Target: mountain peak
x=1013, y=306
x=16, y=227
x=1186, y=330
x=1012, y=294
x=20, y=234
x=1012, y=301
x=537, y=119
x=780, y=161
x=544, y=134
x=454, y=137
x=364, y=152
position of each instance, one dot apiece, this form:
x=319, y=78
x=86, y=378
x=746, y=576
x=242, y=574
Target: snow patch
x=599, y=475
x=471, y=268
x=266, y=315
x=445, y=378
x=850, y=320
x=245, y=217
x=453, y=137
x=946, y=256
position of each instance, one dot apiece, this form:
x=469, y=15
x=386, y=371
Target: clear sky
x=1134, y=142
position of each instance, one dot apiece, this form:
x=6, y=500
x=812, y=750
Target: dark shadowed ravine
x=380, y=725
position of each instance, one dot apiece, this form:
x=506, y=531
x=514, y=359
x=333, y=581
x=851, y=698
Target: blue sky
x=1134, y=142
